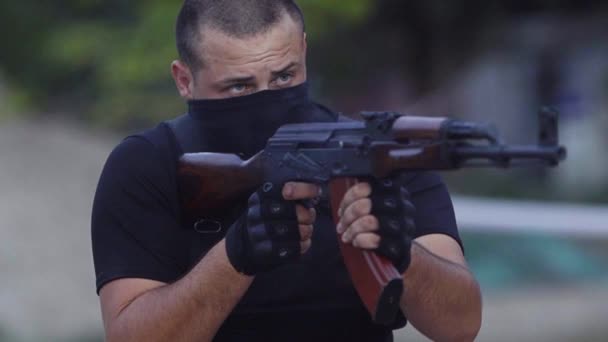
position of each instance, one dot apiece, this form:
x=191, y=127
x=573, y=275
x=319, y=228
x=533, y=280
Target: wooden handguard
x=375, y=278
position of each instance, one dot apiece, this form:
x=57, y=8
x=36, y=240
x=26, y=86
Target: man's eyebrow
x=248, y=79
x=282, y=71
x=236, y=80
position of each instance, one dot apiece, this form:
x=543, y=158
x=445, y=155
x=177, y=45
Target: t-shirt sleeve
x=135, y=224
x=434, y=210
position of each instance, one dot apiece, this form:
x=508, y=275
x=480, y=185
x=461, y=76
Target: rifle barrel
x=499, y=153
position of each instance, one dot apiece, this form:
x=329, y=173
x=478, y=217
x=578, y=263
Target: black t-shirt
x=137, y=233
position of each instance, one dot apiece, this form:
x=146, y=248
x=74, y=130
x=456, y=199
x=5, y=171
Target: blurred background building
x=77, y=76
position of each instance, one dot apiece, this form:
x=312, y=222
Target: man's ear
x=184, y=79
x=304, y=46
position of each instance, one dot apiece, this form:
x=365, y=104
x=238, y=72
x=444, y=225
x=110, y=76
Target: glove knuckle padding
x=270, y=233
x=394, y=211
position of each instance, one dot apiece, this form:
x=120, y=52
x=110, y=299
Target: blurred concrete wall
x=48, y=174
x=539, y=60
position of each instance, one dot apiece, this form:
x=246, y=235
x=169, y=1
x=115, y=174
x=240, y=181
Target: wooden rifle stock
x=210, y=184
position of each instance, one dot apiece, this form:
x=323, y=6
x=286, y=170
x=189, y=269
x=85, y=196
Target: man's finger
x=367, y=241
x=305, y=246
x=364, y=224
x=356, y=192
x=354, y=211
x=300, y=191
x=305, y=215
x=305, y=232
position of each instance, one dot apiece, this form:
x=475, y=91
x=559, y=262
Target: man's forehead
x=283, y=38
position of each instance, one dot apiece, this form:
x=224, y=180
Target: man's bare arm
x=441, y=298
x=193, y=308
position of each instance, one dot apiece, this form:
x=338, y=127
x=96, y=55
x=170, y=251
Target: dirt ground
x=48, y=174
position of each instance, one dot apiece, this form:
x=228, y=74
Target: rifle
x=339, y=154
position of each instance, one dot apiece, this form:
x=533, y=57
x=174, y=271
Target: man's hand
x=274, y=230
x=378, y=216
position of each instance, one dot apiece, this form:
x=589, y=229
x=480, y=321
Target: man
x=261, y=271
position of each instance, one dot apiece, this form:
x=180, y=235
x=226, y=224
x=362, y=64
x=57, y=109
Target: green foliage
x=323, y=16
x=108, y=61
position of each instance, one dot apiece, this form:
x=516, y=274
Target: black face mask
x=243, y=125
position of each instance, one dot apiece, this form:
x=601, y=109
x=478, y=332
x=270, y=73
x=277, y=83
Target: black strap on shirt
x=207, y=231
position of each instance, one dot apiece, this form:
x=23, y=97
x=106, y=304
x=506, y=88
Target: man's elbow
x=465, y=334
x=465, y=324
x=460, y=322
x=471, y=323
x=466, y=331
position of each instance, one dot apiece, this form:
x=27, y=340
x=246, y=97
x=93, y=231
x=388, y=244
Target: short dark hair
x=235, y=18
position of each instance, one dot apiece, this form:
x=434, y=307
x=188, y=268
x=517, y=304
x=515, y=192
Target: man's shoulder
x=322, y=113
x=158, y=138
x=143, y=152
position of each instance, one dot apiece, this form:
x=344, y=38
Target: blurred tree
x=108, y=61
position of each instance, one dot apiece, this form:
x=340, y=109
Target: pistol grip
x=376, y=280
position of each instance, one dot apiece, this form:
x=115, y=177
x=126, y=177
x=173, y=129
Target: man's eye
x=238, y=88
x=284, y=78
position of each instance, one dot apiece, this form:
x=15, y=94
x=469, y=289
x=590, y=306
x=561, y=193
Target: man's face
x=236, y=67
